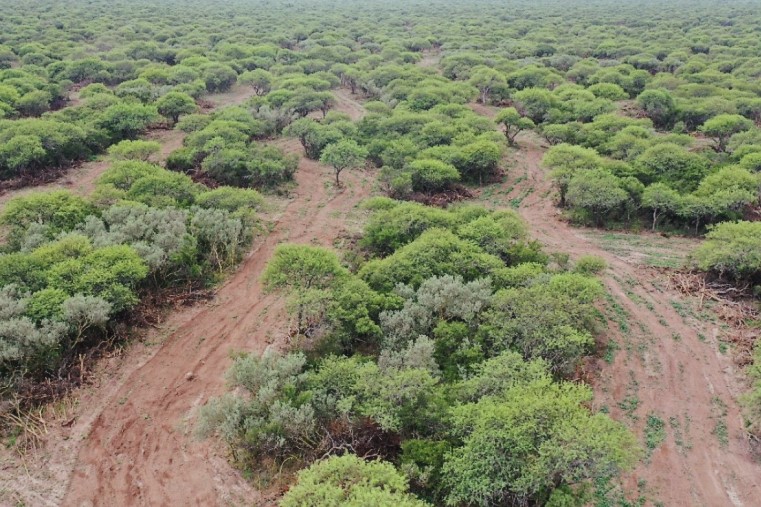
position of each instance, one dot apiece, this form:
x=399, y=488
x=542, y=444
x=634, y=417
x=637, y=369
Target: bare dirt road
x=668, y=367
x=129, y=442
x=139, y=450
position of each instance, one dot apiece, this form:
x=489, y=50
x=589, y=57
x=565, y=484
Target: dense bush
x=443, y=347
x=350, y=481
x=732, y=250
x=72, y=268
x=223, y=149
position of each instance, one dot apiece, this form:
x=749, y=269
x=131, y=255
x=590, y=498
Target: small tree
x=34, y=103
x=432, y=175
x=174, y=104
x=598, y=191
x=732, y=249
x=720, y=128
x=479, y=159
x=127, y=120
x=327, y=102
x=698, y=209
x=258, y=79
x=20, y=154
x=134, y=150
x=565, y=160
x=353, y=482
x=513, y=122
x=218, y=77
x=486, y=79
x=531, y=439
x=535, y=103
x=660, y=198
x=345, y=154
x=658, y=105
x=301, y=271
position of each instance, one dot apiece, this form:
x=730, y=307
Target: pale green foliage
x=732, y=249
x=659, y=106
x=552, y=321
x=156, y=234
x=258, y=79
x=610, y=91
x=349, y=481
x=661, y=199
x=345, y=154
x=58, y=211
x=300, y=267
x=220, y=236
x=306, y=274
x=528, y=440
x=432, y=175
x=500, y=373
x=446, y=297
x=673, y=165
x=566, y=161
x=598, y=191
x=21, y=341
x=435, y=252
x=589, y=264
x=731, y=188
x=134, y=150
x=535, y=103
x=486, y=79
x=400, y=223
x=231, y=199
x=724, y=126
x=127, y=120
x=81, y=313
x=513, y=123
x=174, y=104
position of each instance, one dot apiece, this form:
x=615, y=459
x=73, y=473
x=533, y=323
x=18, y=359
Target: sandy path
x=430, y=59
x=668, y=366
x=346, y=103
x=139, y=450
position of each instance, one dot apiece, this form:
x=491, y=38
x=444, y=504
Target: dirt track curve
x=139, y=450
x=129, y=442
x=669, y=364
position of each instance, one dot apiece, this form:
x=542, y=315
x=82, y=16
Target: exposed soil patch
x=347, y=103
x=430, y=58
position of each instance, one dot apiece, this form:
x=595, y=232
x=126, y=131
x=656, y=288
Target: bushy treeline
x=72, y=267
x=446, y=353
x=223, y=146
x=31, y=146
x=620, y=170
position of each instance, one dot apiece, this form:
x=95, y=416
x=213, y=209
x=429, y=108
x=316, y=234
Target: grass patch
x=610, y=351
x=719, y=414
x=655, y=433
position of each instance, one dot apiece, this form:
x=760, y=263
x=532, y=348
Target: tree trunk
x=338, y=183
x=655, y=217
